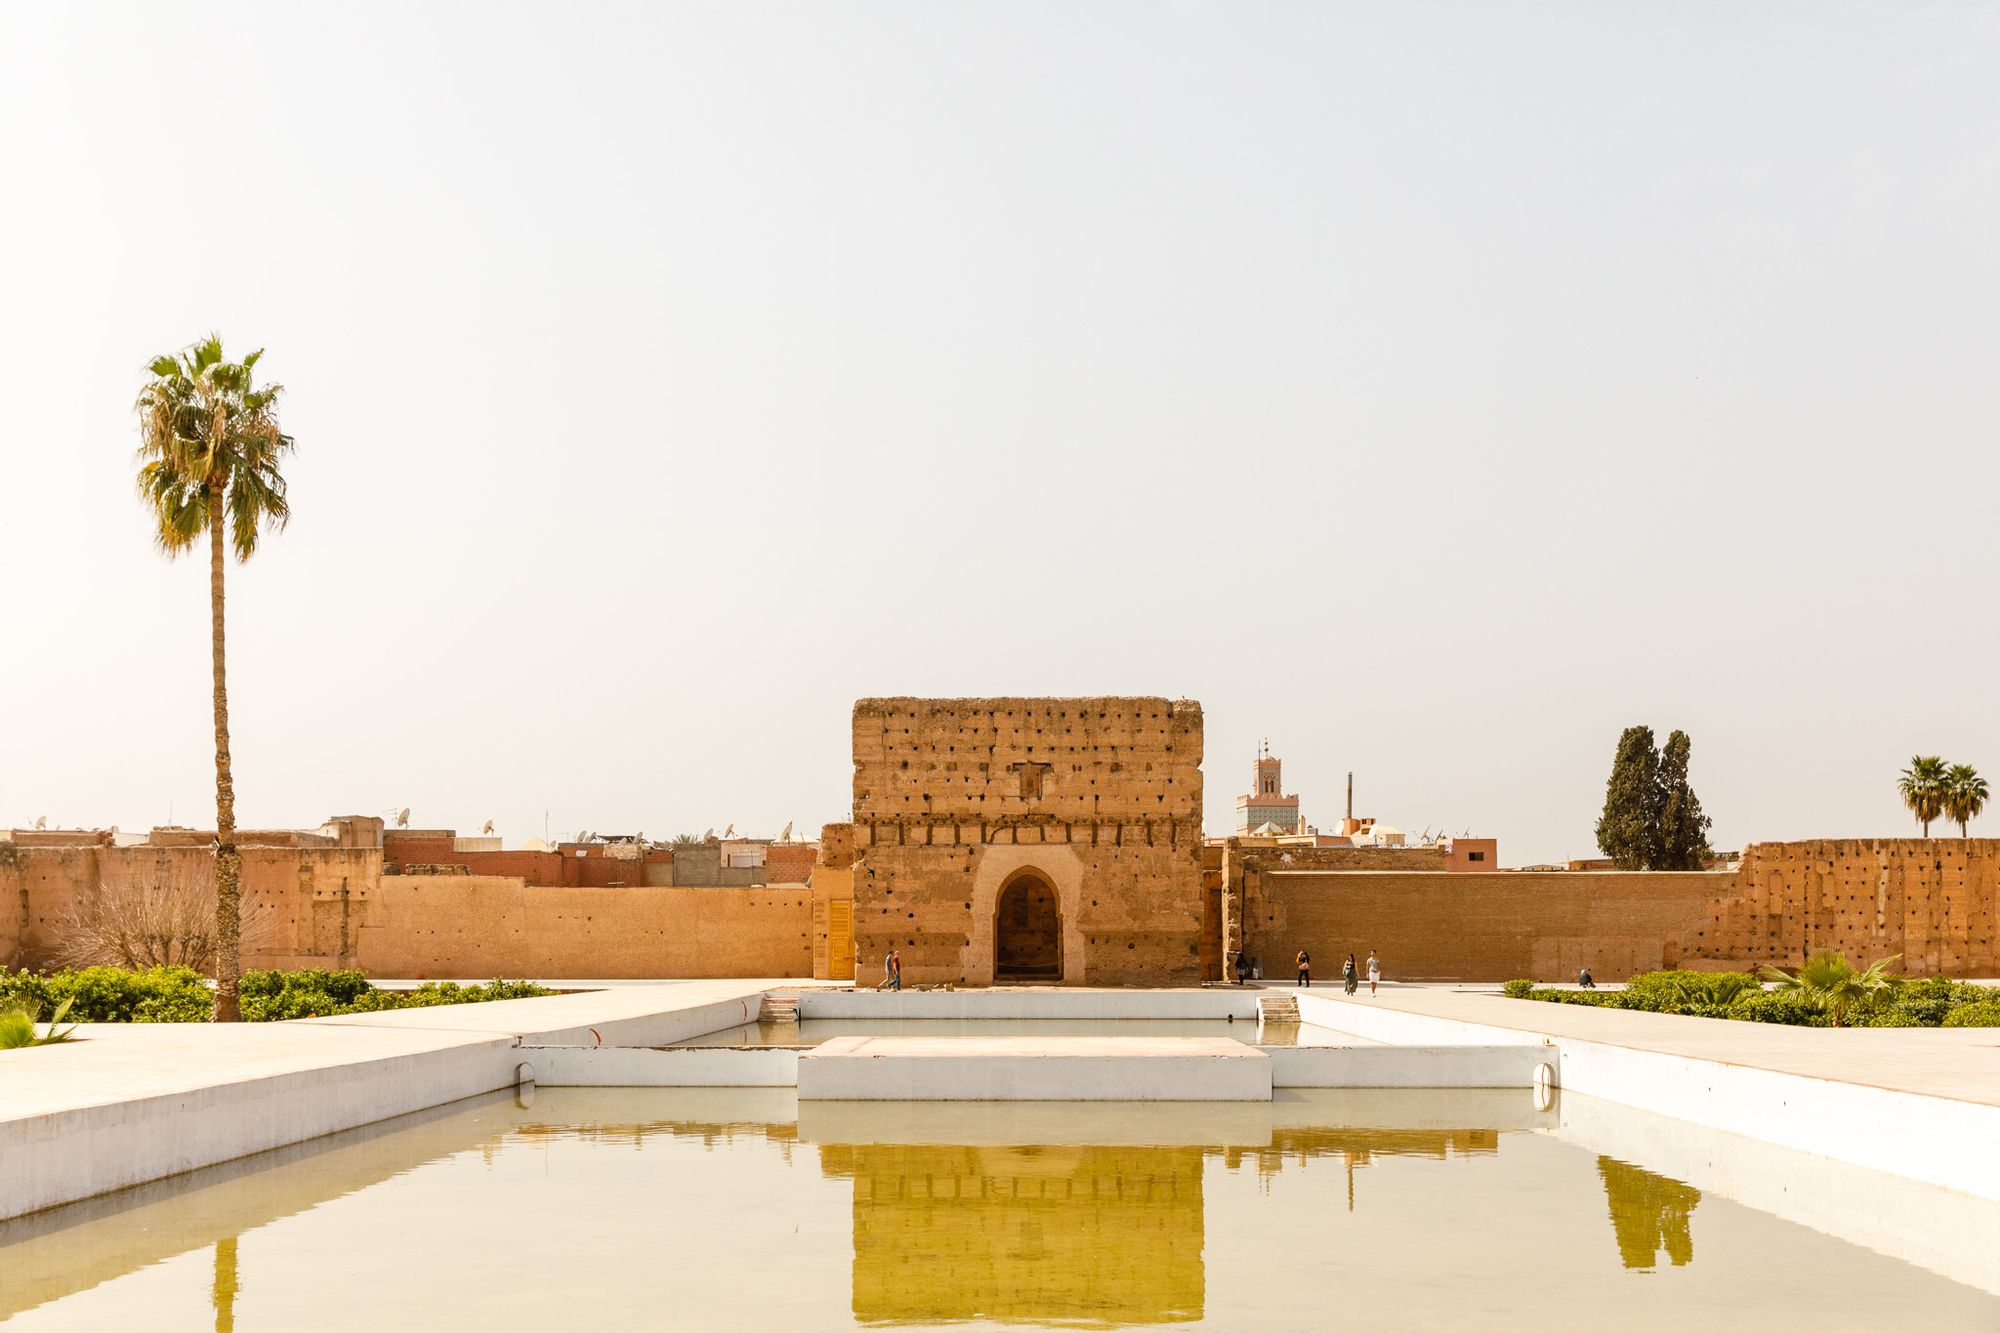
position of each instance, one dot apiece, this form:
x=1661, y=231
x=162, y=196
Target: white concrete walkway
x=133, y=1102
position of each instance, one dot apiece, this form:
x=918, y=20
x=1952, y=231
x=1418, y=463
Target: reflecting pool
x=724, y=1209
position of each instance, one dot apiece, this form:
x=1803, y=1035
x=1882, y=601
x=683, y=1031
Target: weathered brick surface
x=1933, y=901
x=1098, y=798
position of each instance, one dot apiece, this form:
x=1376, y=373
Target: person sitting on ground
x=1584, y=982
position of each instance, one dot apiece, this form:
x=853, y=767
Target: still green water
x=714, y=1209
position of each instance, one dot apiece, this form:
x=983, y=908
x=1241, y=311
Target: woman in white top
x=1374, y=971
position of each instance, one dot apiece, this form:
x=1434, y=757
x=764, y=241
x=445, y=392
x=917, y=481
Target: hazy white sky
x=1433, y=389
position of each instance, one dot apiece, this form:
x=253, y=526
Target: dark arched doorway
x=1027, y=932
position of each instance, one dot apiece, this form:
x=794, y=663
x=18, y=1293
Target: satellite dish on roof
x=488, y=827
x=585, y=836
x=729, y=832
x=786, y=836
x=403, y=817
x=710, y=835
x=41, y=821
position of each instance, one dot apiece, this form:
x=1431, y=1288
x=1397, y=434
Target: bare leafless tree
x=163, y=921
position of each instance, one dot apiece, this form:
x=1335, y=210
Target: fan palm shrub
x=1831, y=984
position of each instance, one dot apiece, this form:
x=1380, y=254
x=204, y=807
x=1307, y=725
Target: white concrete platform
x=1373, y=1066
x=1035, y=1069
x=133, y=1102
x=1918, y=1103
x=674, y=1067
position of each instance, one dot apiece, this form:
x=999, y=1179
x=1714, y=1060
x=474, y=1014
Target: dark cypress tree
x=1629, y=830
x=1683, y=827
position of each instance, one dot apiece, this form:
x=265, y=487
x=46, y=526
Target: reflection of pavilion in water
x=1061, y=1234
x=1024, y=1234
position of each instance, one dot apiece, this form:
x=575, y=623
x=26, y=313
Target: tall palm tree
x=209, y=454
x=1922, y=786
x=1965, y=794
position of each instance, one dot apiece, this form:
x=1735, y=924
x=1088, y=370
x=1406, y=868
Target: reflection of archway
x=1027, y=931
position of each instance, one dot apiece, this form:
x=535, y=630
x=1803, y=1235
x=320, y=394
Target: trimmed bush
x=181, y=995
x=1778, y=1007
x=112, y=994
x=1595, y=999
x=1984, y=1014
x=1930, y=1002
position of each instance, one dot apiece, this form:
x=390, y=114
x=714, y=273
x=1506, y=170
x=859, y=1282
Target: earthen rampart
x=1933, y=902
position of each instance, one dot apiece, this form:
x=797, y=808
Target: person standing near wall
x=1347, y=975
x=1305, y=969
x=1374, y=971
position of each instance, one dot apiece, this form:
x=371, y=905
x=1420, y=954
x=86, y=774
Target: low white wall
x=89, y=1150
x=683, y=1067
x=1378, y=1023
x=152, y=1100
x=1511, y=1066
x=660, y=1029
x=865, y=1069
x=1943, y=1230
x=1217, y=1003
x=1899, y=1133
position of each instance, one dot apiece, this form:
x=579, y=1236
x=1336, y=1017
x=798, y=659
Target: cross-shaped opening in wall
x=1031, y=775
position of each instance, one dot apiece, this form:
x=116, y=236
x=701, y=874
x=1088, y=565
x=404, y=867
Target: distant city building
x=1265, y=811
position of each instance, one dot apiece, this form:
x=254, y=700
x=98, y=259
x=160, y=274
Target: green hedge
x=179, y=994
x=1930, y=1002
x=111, y=994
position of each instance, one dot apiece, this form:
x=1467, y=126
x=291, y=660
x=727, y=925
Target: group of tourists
x=1350, y=976
x=1248, y=968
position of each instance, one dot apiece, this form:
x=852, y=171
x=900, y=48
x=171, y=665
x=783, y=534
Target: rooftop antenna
x=1350, y=795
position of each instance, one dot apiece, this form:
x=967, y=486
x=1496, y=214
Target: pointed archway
x=1027, y=931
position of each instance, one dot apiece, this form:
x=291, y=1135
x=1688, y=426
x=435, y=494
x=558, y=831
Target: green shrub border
x=182, y=995
x=1737, y=996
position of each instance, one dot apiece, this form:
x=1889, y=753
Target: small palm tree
x=209, y=453
x=1965, y=794
x=1922, y=786
x=1830, y=983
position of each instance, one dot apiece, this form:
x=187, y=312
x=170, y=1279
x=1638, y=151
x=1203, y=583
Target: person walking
x=1305, y=969
x=1347, y=977
x=1242, y=967
x=891, y=978
x=896, y=964
x=1374, y=971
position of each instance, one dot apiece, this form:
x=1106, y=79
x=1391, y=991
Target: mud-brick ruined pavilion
x=1052, y=840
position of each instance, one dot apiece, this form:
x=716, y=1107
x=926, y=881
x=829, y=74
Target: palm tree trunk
x=228, y=918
